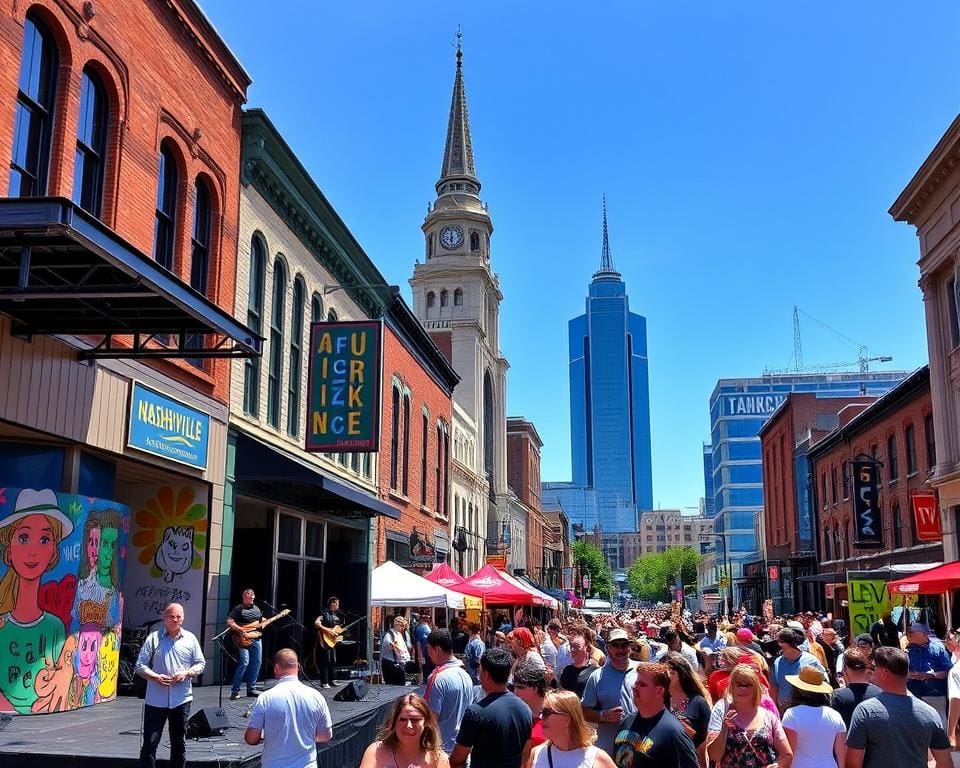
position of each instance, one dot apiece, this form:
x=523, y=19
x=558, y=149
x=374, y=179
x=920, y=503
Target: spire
x=458, y=151
x=606, y=260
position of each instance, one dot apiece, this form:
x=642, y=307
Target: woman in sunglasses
x=569, y=737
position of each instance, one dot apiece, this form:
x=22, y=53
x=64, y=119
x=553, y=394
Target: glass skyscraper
x=609, y=406
x=732, y=471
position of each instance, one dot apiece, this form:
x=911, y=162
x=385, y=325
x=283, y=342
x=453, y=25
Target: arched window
x=826, y=544
x=488, y=438
x=275, y=372
x=395, y=438
x=896, y=524
x=458, y=297
x=424, y=441
x=837, y=543
x=164, y=224
x=296, y=344
x=444, y=298
x=36, y=96
x=255, y=292
x=200, y=238
x=316, y=309
x=91, y=157
x=431, y=300
x=474, y=241
x=332, y=316
x=406, y=445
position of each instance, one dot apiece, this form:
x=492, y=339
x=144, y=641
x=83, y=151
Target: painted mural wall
x=61, y=602
x=168, y=544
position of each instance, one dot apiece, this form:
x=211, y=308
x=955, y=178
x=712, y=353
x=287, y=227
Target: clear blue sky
x=749, y=152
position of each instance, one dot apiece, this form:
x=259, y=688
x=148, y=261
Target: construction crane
x=862, y=362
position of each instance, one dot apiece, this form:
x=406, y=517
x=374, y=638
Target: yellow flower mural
x=171, y=532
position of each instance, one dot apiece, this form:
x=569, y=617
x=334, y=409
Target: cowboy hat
x=31, y=502
x=810, y=679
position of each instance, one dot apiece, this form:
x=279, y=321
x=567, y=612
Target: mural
x=61, y=601
x=168, y=544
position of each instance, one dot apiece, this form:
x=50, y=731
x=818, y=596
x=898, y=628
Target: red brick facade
x=422, y=495
x=523, y=461
x=168, y=78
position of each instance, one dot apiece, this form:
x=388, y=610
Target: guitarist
x=249, y=657
x=327, y=624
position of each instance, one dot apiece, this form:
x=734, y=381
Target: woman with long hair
x=569, y=737
x=408, y=738
x=815, y=730
x=742, y=734
x=395, y=653
x=690, y=702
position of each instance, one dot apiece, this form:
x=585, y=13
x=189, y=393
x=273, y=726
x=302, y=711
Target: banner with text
x=926, y=517
x=868, y=523
x=343, y=394
x=867, y=598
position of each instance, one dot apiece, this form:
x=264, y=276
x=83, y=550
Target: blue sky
x=748, y=151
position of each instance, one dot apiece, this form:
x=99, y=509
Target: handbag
x=141, y=686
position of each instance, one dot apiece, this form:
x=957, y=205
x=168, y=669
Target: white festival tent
x=394, y=586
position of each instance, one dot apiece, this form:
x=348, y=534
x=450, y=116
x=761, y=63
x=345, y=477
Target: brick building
x=661, y=529
x=799, y=421
x=528, y=525
x=896, y=431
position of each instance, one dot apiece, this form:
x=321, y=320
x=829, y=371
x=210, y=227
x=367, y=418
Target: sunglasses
x=545, y=712
x=619, y=644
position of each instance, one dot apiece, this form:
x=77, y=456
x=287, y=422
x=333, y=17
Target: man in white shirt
x=290, y=719
x=952, y=642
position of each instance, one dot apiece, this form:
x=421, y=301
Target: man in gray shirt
x=449, y=690
x=608, y=696
x=894, y=728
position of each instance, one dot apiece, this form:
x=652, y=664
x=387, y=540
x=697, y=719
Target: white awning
x=397, y=587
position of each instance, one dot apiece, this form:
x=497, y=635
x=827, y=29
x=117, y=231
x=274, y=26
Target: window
x=316, y=309
x=910, y=443
x=845, y=481
x=823, y=490
x=444, y=297
x=896, y=524
x=395, y=440
x=296, y=344
x=332, y=316
x=36, y=95
x=826, y=544
x=952, y=311
x=458, y=297
x=431, y=300
x=833, y=485
x=424, y=435
x=929, y=439
x=439, y=506
x=474, y=241
x=165, y=219
x=90, y=162
x=406, y=444
x=255, y=291
x=200, y=238
x=275, y=372
x=892, y=467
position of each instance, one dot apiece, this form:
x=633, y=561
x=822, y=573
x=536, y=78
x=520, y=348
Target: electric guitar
x=245, y=634
x=330, y=636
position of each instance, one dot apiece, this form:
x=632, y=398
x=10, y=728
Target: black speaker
x=209, y=721
x=354, y=691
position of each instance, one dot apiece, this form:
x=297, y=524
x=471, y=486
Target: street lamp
x=726, y=564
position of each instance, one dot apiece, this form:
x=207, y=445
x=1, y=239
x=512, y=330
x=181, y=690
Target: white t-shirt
x=290, y=715
x=953, y=682
x=816, y=729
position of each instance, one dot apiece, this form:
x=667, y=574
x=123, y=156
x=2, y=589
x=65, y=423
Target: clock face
x=451, y=237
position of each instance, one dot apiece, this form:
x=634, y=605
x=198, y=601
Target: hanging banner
x=926, y=517
x=343, y=391
x=867, y=598
x=868, y=523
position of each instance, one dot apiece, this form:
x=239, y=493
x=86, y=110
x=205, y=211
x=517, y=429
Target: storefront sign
x=497, y=561
x=343, y=395
x=167, y=428
x=422, y=551
x=867, y=598
x=773, y=572
x=868, y=523
x=926, y=517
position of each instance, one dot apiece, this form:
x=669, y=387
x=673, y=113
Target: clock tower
x=456, y=296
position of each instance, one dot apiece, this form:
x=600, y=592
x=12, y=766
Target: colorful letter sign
x=926, y=517
x=868, y=524
x=167, y=428
x=343, y=398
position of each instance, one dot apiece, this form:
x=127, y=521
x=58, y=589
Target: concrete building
x=470, y=490
x=661, y=529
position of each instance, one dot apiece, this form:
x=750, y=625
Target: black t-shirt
x=329, y=618
x=885, y=633
x=243, y=615
x=460, y=640
x=575, y=678
x=846, y=699
x=697, y=713
x=496, y=728
x=654, y=742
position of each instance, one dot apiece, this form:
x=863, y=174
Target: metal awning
x=259, y=463
x=62, y=271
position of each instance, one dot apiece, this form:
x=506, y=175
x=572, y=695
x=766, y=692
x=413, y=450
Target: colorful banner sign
x=343, y=394
x=497, y=561
x=422, y=550
x=62, y=560
x=867, y=598
x=167, y=428
x=926, y=517
x=867, y=520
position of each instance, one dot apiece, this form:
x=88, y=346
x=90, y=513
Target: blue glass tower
x=610, y=401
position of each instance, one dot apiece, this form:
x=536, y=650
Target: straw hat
x=810, y=679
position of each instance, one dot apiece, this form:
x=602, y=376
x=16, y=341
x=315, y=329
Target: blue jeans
x=154, y=718
x=248, y=666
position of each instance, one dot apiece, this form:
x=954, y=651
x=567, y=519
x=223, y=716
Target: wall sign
x=343, y=395
x=867, y=521
x=167, y=428
x=926, y=517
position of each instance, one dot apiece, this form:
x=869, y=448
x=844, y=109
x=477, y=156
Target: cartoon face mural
x=175, y=553
x=108, y=665
x=50, y=634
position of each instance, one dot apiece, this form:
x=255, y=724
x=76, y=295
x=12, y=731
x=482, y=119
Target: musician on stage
x=250, y=656
x=326, y=623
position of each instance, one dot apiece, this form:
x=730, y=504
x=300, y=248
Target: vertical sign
x=343, y=395
x=926, y=517
x=867, y=522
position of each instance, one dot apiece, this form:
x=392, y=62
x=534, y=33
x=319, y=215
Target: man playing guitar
x=248, y=656
x=327, y=624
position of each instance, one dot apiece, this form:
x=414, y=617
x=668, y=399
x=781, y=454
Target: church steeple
x=607, y=270
x=458, y=172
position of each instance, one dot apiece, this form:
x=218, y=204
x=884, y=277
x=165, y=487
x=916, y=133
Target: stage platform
x=108, y=735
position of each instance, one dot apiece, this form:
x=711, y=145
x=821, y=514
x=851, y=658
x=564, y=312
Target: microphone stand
x=218, y=639
x=291, y=619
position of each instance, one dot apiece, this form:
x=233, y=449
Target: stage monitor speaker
x=354, y=691
x=209, y=721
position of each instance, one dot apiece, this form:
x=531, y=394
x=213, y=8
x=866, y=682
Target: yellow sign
x=868, y=600
x=497, y=561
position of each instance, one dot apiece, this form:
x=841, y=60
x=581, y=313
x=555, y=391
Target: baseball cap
x=617, y=634
x=795, y=625
x=920, y=627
